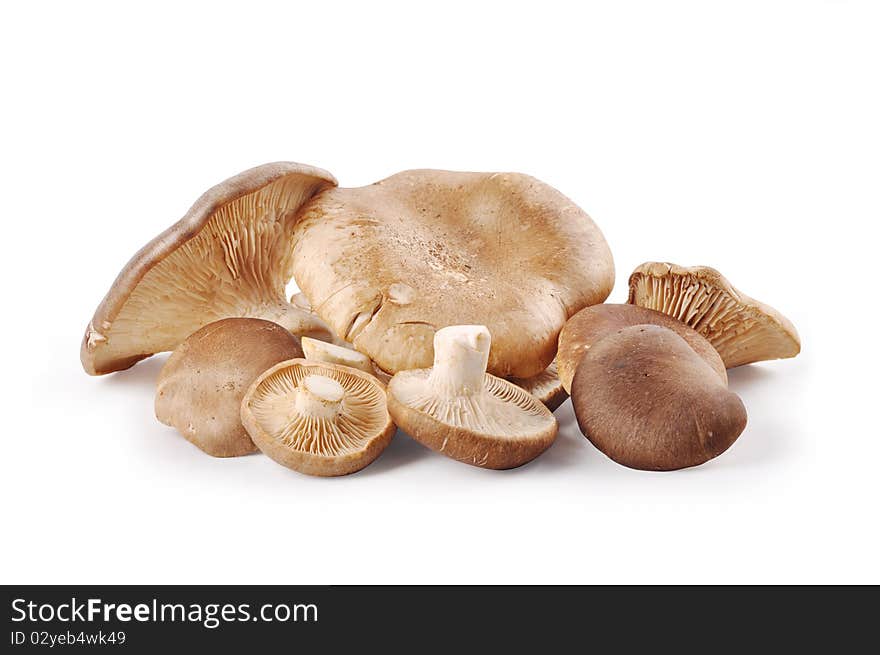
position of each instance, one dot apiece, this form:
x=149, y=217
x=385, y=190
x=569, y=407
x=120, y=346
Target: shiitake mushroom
x=647, y=400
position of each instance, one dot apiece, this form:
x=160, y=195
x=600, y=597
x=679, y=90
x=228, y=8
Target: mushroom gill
x=499, y=407
x=230, y=256
x=741, y=329
x=458, y=409
x=546, y=386
x=318, y=418
x=319, y=410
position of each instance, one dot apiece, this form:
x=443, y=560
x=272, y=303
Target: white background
x=742, y=135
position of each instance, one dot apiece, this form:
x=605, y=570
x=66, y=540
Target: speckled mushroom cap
x=459, y=410
x=546, y=386
x=646, y=399
x=740, y=328
x=229, y=256
x=389, y=264
x=318, y=418
x=592, y=324
x=200, y=388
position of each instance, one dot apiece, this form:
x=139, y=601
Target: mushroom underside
x=740, y=328
x=362, y=414
x=231, y=259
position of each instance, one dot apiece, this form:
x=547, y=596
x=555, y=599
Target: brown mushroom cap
x=546, y=387
x=229, y=256
x=318, y=418
x=646, y=399
x=200, y=387
x=389, y=264
x=592, y=324
x=740, y=328
x=458, y=409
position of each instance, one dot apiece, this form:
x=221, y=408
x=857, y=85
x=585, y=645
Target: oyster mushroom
x=229, y=256
x=546, y=386
x=389, y=264
x=458, y=409
x=200, y=388
x=740, y=328
x=592, y=324
x=317, y=418
x=646, y=399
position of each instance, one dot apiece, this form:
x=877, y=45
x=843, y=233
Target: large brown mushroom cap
x=459, y=410
x=229, y=256
x=646, y=399
x=389, y=264
x=318, y=418
x=742, y=329
x=200, y=387
x=592, y=324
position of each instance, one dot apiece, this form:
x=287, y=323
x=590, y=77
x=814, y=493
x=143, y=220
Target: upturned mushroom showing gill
x=694, y=303
x=323, y=413
x=458, y=392
x=236, y=262
x=486, y=410
x=740, y=328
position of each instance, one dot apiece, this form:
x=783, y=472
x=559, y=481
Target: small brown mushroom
x=592, y=324
x=389, y=264
x=229, y=256
x=318, y=418
x=740, y=328
x=458, y=409
x=546, y=387
x=200, y=387
x=646, y=399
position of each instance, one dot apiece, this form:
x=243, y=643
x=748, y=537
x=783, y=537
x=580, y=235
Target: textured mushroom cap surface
x=388, y=264
x=546, y=387
x=500, y=428
x=646, y=399
x=324, y=446
x=200, y=388
x=592, y=324
x=300, y=301
x=740, y=328
x=229, y=256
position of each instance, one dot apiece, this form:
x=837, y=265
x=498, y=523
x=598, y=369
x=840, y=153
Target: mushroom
x=592, y=324
x=229, y=256
x=318, y=418
x=646, y=399
x=458, y=409
x=321, y=351
x=200, y=387
x=742, y=329
x=389, y=264
x=331, y=353
x=546, y=387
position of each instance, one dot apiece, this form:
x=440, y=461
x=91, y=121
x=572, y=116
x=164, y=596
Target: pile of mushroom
x=462, y=308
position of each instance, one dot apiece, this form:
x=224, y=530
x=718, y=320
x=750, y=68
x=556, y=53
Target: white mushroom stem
x=461, y=353
x=319, y=397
